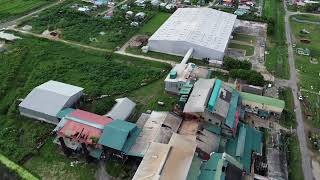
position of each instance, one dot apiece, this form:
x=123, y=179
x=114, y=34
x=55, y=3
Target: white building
x=205, y=30
x=182, y=74
x=45, y=101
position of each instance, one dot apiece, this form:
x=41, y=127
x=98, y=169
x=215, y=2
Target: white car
x=300, y=98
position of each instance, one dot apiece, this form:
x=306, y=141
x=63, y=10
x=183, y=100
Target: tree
x=230, y=64
x=252, y=77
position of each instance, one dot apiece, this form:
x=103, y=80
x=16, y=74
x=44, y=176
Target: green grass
x=13, y=8
x=249, y=49
x=288, y=116
x=307, y=17
x=51, y=163
x=31, y=61
x=294, y=159
x=244, y=37
x=84, y=28
x=154, y=23
x=277, y=59
x=308, y=73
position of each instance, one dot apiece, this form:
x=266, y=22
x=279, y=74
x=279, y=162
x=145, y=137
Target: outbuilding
x=46, y=100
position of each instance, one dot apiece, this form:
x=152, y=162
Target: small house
x=303, y=51
x=122, y=109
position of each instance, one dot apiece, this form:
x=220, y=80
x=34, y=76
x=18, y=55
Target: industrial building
x=168, y=161
x=183, y=74
x=204, y=32
x=46, y=100
x=156, y=127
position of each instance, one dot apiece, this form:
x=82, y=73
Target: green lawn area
x=85, y=28
x=244, y=37
x=31, y=61
x=154, y=23
x=277, y=59
x=13, y=8
x=294, y=158
x=288, y=116
x=309, y=76
x=249, y=49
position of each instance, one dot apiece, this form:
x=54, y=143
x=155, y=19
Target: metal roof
x=199, y=96
x=49, y=98
x=263, y=100
x=159, y=127
x=214, y=95
x=122, y=109
x=118, y=134
x=205, y=27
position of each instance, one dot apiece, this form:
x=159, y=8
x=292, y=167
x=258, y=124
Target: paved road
x=305, y=156
x=15, y=21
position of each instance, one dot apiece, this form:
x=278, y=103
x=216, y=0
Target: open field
x=13, y=8
x=97, y=72
x=277, y=59
x=154, y=23
x=308, y=71
x=85, y=28
x=249, y=49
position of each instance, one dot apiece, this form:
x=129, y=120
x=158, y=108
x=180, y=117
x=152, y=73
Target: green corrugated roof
x=64, y=112
x=263, y=100
x=252, y=143
x=185, y=91
x=231, y=116
x=115, y=135
x=212, y=169
x=214, y=95
x=212, y=128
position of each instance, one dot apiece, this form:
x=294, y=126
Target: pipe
x=187, y=56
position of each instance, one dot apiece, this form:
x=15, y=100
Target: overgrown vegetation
x=252, y=77
x=84, y=28
x=277, y=57
x=154, y=23
x=30, y=62
x=249, y=50
x=10, y=9
x=230, y=63
x=288, y=119
x=293, y=158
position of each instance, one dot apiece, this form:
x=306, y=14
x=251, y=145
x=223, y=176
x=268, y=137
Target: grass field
x=309, y=76
x=294, y=159
x=244, y=37
x=85, y=28
x=277, y=59
x=30, y=62
x=249, y=49
x=154, y=23
x=288, y=116
x=13, y=8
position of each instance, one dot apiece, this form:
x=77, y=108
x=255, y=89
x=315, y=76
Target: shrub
x=252, y=77
x=230, y=64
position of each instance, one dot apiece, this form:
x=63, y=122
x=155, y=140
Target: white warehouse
x=205, y=30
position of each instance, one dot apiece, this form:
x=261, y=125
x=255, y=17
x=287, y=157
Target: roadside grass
x=288, y=119
x=32, y=61
x=309, y=76
x=277, y=57
x=154, y=23
x=307, y=17
x=244, y=37
x=294, y=158
x=85, y=28
x=249, y=49
x=10, y=9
